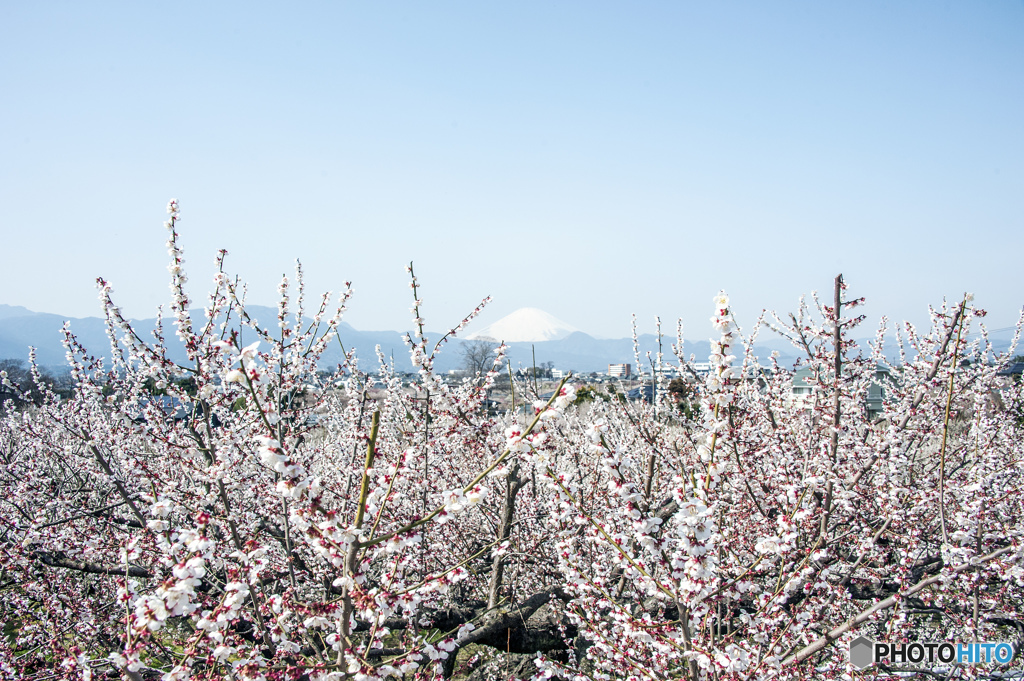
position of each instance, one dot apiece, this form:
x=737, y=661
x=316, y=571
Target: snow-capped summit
x=525, y=325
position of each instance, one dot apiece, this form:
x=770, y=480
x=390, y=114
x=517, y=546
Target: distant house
x=620, y=370
x=173, y=408
x=804, y=389
x=757, y=374
x=644, y=392
x=668, y=372
x=1013, y=370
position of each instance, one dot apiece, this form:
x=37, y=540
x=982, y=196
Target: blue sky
x=592, y=159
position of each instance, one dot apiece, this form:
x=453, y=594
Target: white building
x=620, y=370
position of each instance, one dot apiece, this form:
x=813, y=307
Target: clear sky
x=592, y=159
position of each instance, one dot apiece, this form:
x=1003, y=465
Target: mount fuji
x=525, y=325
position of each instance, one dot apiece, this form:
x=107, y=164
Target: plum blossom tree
x=406, y=532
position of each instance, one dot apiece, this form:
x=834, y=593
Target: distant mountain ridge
x=20, y=328
x=573, y=350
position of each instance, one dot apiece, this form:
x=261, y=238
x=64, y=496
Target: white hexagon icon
x=861, y=652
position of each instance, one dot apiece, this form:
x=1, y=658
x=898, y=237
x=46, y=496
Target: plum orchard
x=407, y=533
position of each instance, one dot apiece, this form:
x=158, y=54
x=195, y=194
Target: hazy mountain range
x=528, y=332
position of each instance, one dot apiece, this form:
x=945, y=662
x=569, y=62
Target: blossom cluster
x=351, y=523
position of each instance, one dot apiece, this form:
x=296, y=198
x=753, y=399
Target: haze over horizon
x=589, y=159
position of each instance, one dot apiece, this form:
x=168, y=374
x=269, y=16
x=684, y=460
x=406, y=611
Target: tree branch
x=866, y=614
x=59, y=559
